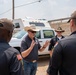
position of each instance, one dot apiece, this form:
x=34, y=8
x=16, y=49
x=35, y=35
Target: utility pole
x=13, y=13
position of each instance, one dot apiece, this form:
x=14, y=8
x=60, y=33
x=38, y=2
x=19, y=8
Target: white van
x=45, y=33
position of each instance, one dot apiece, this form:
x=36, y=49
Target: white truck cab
x=21, y=23
x=45, y=33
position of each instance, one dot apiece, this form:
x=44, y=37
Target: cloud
x=3, y=1
x=67, y=0
x=52, y=2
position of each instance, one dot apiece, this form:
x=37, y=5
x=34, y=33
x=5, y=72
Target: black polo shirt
x=9, y=63
x=25, y=44
x=53, y=42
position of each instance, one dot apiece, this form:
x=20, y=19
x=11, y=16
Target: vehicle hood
x=15, y=41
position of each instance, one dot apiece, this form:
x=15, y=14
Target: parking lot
x=42, y=65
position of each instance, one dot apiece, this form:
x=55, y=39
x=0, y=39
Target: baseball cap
x=73, y=16
x=6, y=24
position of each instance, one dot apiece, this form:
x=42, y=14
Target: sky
x=46, y=9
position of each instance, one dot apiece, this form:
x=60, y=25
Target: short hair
x=73, y=17
x=6, y=24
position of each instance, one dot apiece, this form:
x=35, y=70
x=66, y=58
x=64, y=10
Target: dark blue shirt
x=26, y=42
x=64, y=57
x=9, y=64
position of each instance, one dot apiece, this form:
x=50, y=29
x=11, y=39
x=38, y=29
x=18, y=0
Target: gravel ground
x=42, y=65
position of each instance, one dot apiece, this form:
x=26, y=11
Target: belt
x=33, y=61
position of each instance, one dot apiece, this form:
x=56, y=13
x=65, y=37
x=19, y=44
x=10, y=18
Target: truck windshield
x=19, y=34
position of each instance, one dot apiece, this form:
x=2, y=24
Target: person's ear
x=9, y=33
x=72, y=23
x=9, y=36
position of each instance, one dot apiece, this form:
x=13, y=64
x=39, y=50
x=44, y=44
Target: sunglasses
x=59, y=32
x=33, y=31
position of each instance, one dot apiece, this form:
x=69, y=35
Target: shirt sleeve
x=24, y=46
x=16, y=65
x=37, y=41
x=51, y=45
x=56, y=60
x=39, y=46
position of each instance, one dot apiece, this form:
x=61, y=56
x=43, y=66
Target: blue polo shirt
x=25, y=44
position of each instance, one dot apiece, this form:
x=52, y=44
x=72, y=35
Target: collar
x=73, y=33
x=29, y=37
x=60, y=36
x=2, y=40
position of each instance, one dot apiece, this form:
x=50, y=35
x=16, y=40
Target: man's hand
x=27, y=52
x=32, y=44
x=46, y=44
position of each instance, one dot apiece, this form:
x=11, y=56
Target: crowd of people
x=62, y=51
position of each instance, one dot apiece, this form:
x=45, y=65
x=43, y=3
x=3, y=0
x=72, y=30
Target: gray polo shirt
x=25, y=44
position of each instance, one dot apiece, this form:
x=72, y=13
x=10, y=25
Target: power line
x=21, y=6
x=5, y=12
x=27, y=4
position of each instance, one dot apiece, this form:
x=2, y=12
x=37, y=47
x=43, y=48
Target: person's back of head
x=6, y=29
x=73, y=22
x=73, y=17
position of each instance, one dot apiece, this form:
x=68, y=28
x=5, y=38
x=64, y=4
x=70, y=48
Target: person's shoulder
x=53, y=38
x=25, y=38
x=63, y=36
x=12, y=54
x=65, y=40
x=12, y=51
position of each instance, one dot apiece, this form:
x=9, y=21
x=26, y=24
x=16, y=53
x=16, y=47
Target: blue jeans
x=30, y=67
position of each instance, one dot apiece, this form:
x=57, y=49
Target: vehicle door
x=43, y=35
